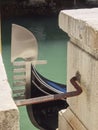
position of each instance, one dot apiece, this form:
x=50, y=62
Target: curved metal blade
x=23, y=44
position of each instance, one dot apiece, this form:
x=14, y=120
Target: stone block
x=0, y=33
x=82, y=27
x=68, y=121
x=9, y=114
x=85, y=106
x=63, y=123
x=82, y=56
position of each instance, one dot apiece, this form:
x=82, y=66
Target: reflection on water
x=52, y=47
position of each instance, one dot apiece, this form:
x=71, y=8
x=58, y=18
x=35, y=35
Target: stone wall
x=82, y=27
x=9, y=114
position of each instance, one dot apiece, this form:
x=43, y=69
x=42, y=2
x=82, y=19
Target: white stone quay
x=82, y=27
x=9, y=114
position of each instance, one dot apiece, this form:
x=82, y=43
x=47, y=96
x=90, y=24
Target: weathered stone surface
x=9, y=114
x=0, y=33
x=68, y=121
x=84, y=106
x=2, y=70
x=8, y=120
x=82, y=28
x=63, y=124
x=82, y=56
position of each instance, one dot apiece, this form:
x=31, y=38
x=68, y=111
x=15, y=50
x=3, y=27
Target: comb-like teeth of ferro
x=19, y=83
x=19, y=63
x=19, y=73
x=19, y=79
x=19, y=95
x=19, y=91
x=19, y=70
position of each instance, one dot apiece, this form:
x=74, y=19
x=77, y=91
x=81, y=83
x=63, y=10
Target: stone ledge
x=6, y=101
x=0, y=33
x=9, y=114
x=8, y=120
x=85, y=106
x=82, y=27
x=70, y=121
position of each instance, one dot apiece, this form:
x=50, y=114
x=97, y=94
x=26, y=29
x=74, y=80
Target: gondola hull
x=44, y=115
x=24, y=53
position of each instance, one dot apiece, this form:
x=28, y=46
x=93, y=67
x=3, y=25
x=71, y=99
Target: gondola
x=44, y=116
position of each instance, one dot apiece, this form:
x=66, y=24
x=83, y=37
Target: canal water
x=52, y=45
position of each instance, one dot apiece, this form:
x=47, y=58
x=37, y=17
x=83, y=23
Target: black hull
x=44, y=115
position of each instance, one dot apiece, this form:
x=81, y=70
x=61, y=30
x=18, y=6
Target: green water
x=52, y=44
